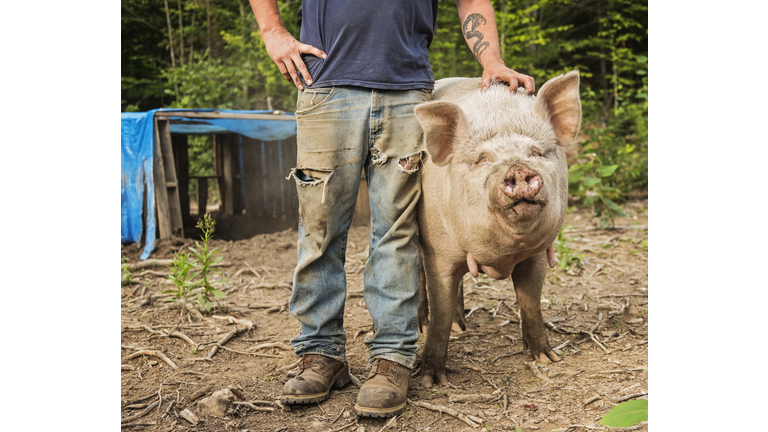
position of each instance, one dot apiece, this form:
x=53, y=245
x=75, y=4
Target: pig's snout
x=521, y=183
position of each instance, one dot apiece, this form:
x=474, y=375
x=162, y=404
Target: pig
x=494, y=196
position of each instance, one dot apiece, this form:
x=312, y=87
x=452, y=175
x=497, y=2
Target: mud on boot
x=384, y=392
x=317, y=375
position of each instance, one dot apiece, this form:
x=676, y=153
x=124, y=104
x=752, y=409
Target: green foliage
x=626, y=414
x=126, y=278
x=180, y=268
x=204, y=256
x=566, y=257
x=185, y=271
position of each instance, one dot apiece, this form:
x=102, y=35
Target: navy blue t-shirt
x=370, y=43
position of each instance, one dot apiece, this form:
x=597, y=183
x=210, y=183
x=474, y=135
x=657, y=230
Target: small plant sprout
x=126, y=278
x=190, y=275
x=566, y=257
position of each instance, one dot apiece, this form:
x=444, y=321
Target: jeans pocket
x=312, y=98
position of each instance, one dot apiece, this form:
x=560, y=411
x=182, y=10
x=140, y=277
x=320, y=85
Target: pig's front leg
x=422, y=316
x=528, y=278
x=442, y=291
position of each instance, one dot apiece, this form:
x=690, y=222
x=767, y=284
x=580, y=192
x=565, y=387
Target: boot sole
x=378, y=412
x=338, y=381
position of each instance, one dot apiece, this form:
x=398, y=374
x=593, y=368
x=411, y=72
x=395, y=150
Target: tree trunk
x=603, y=69
x=170, y=44
x=208, y=27
x=192, y=42
x=181, y=35
x=170, y=33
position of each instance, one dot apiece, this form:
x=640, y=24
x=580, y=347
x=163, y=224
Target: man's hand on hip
x=286, y=52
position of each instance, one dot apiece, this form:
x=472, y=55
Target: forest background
x=209, y=54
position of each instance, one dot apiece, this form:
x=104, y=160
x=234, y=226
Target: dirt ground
x=608, y=296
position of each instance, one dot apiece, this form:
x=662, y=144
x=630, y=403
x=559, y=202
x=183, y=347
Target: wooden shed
x=251, y=175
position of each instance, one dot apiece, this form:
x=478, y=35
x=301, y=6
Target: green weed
x=189, y=274
x=567, y=258
x=126, y=278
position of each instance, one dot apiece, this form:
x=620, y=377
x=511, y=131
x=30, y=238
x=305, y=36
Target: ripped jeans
x=341, y=131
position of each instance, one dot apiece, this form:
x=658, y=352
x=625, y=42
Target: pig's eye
x=536, y=153
x=483, y=159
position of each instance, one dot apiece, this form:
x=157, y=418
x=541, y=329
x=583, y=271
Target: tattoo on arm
x=470, y=26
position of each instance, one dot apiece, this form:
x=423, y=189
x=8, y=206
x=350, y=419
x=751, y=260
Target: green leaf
x=217, y=293
x=641, y=72
x=626, y=414
x=613, y=206
x=591, y=181
x=606, y=171
x=218, y=259
x=604, y=223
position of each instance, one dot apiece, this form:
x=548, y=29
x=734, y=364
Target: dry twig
x=539, y=375
x=247, y=325
x=152, y=353
x=632, y=396
x=130, y=425
x=141, y=414
x=355, y=380
x=446, y=410
x=253, y=407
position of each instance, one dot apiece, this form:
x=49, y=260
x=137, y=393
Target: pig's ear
x=558, y=99
x=442, y=122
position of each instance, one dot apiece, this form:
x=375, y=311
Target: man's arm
x=478, y=23
x=283, y=48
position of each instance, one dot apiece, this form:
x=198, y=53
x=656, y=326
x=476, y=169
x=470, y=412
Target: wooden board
x=171, y=182
x=161, y=191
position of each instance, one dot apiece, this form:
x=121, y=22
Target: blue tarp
x=265, y=130
x=136, y=130
x=136, y=172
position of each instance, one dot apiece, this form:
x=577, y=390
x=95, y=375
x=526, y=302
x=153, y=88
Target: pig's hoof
x=544, y=358
x=428, y=379
x=456, y=328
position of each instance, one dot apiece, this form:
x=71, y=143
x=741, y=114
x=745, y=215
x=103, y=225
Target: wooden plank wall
x=257, y=196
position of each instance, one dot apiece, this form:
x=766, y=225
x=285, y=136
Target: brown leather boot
x=385, y=390
x=317, y=375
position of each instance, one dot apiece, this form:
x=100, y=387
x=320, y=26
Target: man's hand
x=478, y=23
x=286, y=52
x=497, y=71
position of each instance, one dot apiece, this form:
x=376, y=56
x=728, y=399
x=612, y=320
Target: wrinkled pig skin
x=495, y=189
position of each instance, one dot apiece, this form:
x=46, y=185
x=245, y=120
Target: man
x=361, y=67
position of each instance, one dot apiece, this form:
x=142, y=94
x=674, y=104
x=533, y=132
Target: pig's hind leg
x=459, y=323
x=528, y=278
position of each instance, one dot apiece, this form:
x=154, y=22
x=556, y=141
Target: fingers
x=309, y=49
x=528, y=83
x=514, y=79
x=294, y=76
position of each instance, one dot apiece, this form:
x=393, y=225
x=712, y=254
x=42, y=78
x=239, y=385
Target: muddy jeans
x=341, y=131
